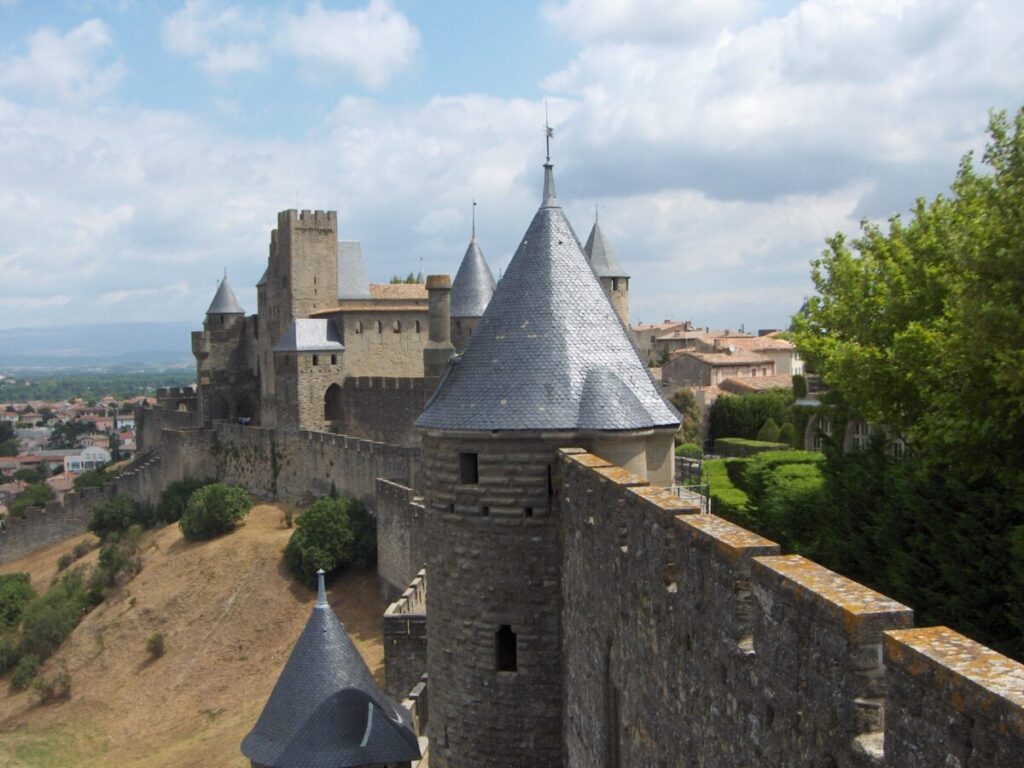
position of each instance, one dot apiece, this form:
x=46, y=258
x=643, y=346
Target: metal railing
x=698, y=495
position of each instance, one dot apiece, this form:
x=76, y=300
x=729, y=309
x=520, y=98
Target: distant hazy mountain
x=109, y=344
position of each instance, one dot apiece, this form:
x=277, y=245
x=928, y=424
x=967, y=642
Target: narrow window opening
x=451, y=509
x=397, y=326
x=316, y=360
x=380, y=327
x=528, y=512
x=468, y=469
x=551, y=481
x=418, y=326
x=505, y=650
x=485, y=511
x=359, y=326
x=334, y=359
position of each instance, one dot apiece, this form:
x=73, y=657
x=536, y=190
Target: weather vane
x=474, y=218
x=549, y=132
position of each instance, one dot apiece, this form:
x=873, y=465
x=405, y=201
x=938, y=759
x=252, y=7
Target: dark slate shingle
x=224, y=301
x=549, y=353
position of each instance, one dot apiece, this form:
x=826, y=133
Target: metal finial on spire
x=549, y=133
x=225, y=273
x=595, y=213
x=321, y=590
x=474, y=219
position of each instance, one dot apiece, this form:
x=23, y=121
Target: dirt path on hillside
x=230, y=615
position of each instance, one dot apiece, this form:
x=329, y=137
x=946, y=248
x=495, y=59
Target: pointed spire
x=473, y=284
x=224, y=301
x=321, y=590
x=600, y=254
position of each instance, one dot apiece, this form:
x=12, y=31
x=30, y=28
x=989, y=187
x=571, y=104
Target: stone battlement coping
x=974, y=676
x=732, y=541
x=584, y=459
x=862, y=612
x=413, y=601
x=620, y=476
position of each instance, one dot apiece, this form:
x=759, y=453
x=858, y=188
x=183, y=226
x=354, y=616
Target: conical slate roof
x=601, y=256
x=352, y=280
x=549, y=352
x=224, y=301
x=326, y=710
x=473, y=285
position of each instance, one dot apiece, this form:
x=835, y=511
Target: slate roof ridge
x=353, y=281
x=224, y=301
x=599, y=253
x=326, y=710
x=474, y=283
x=549, y=352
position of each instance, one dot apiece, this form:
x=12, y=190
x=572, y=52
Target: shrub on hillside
x=769, y=432
x=175, y=496
x=155, y=645
x=25, y=671
x=116, y=516
x=9, y=654
x=48, y=620
x=55, y=687
x=118, y=560
x=15, y=593
x=213, y=510
x=333, y=534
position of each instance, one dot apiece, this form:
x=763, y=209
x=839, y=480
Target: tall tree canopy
x=920, y=328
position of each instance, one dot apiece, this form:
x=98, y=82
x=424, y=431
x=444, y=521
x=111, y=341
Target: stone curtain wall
x=690, y=641
x=150, y=422
x=384, y=409
x=60, y=520
x=405, y=639
x=300, y=466
x=401, y=520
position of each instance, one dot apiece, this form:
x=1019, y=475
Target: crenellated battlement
x=292, y=218
x=708, y=641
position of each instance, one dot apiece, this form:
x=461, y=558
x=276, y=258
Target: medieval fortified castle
x=555, y=603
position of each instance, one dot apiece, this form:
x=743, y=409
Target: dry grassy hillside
x=230, y=614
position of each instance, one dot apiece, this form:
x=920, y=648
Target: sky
x=145, y=147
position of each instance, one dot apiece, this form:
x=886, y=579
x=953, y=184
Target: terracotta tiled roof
x=758, y=343
x=749, y=384
x=739, y=357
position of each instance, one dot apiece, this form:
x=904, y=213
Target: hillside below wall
x=690, y=642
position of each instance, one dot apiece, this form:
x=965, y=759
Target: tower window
x=334, y=359
x=380, y=327
x=468, y=469
x=418, y=326
x=397, y=326
x=505, y=649
x=316, y=360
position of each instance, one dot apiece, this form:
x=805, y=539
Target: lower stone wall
x=381, y=408
x=58, y=520
x=691, y=642
x=405, y=639
x=401, y=519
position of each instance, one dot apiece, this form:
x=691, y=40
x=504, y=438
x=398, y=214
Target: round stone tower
x=550, y=365
x=610, y=273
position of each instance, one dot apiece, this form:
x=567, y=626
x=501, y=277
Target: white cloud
x=371, y=44
x=71, y=67
x=644, y=20
x=224, y=40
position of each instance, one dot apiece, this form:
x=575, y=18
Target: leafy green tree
x=213, y=510
x=686, y=403
x=743, y=416
x=918, y=327
x=34, y=496
x=334, y=533
x=174, y=498
x=94, y=478
x=116, y=516
x=66, y=435
x=15, y=593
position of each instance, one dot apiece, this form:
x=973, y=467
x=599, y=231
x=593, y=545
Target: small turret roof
x=601, y=256
x=326, y=710
x=549, y=352
x=311, y=334
x=224, y=301
x=473, y=285
x=352, y=280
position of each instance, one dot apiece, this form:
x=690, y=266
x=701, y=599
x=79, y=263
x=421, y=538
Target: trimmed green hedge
x=727, y=500
x=741, y=448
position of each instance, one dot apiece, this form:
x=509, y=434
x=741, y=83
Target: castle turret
x=326, y=709
x=224, y=309
x=438, y=349
x=610, y=273
x=550, y=365
x=471, y=291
